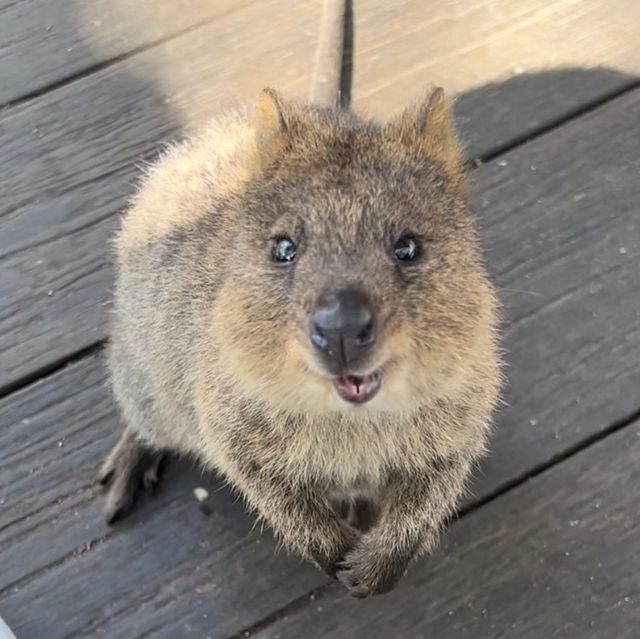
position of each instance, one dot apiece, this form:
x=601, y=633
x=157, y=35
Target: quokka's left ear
x=428, y=127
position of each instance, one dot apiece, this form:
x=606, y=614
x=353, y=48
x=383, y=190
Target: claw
x=105, y=477
x=151, y=476
x=113, y=514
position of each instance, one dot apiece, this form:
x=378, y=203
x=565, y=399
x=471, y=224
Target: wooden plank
x=68, y=157
x=168, y=559
x=556, y=558
x=573, y=341
x=462, y=45
x=60, y=425
x=45, y=42
x=562, y=234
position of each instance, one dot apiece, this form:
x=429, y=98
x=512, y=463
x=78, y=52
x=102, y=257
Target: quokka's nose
x=343, y=326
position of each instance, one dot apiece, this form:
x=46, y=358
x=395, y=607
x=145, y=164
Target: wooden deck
x=548, y=545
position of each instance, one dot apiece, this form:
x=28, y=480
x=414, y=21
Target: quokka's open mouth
x=358, y=389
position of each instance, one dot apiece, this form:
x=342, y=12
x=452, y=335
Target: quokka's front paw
x=328, y=552
x=371, y=570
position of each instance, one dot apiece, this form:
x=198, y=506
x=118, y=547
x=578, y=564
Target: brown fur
x=210, y=354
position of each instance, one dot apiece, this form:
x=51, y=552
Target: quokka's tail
x=333, y=67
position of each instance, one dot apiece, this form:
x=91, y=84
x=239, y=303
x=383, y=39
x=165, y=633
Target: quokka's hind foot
x=129, y=466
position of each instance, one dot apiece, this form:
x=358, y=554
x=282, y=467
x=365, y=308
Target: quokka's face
x=357, y=284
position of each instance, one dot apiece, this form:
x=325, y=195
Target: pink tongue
x=356, y=386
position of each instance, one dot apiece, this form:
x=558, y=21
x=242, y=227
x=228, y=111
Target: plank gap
x=51, y=368
x=548, y=127
x=554, y=460
x=100, y=66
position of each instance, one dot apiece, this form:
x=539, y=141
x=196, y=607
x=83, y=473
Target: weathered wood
x=462, y=45
x=564, y=244
x=44, y=43
x=53, y=433
x=556, y=558
x=399, y=43
x=168, y=564
x=562, y=232
x=68, y=157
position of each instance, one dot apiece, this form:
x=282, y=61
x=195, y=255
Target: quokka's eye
x=284, y=250
x=406, y=249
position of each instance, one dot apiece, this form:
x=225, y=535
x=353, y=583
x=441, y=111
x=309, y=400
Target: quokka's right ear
x=428, y=128
x=272, y=121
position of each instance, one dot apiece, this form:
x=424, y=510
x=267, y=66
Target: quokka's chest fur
x=345, y=452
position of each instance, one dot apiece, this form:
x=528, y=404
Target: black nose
x=342, y=326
